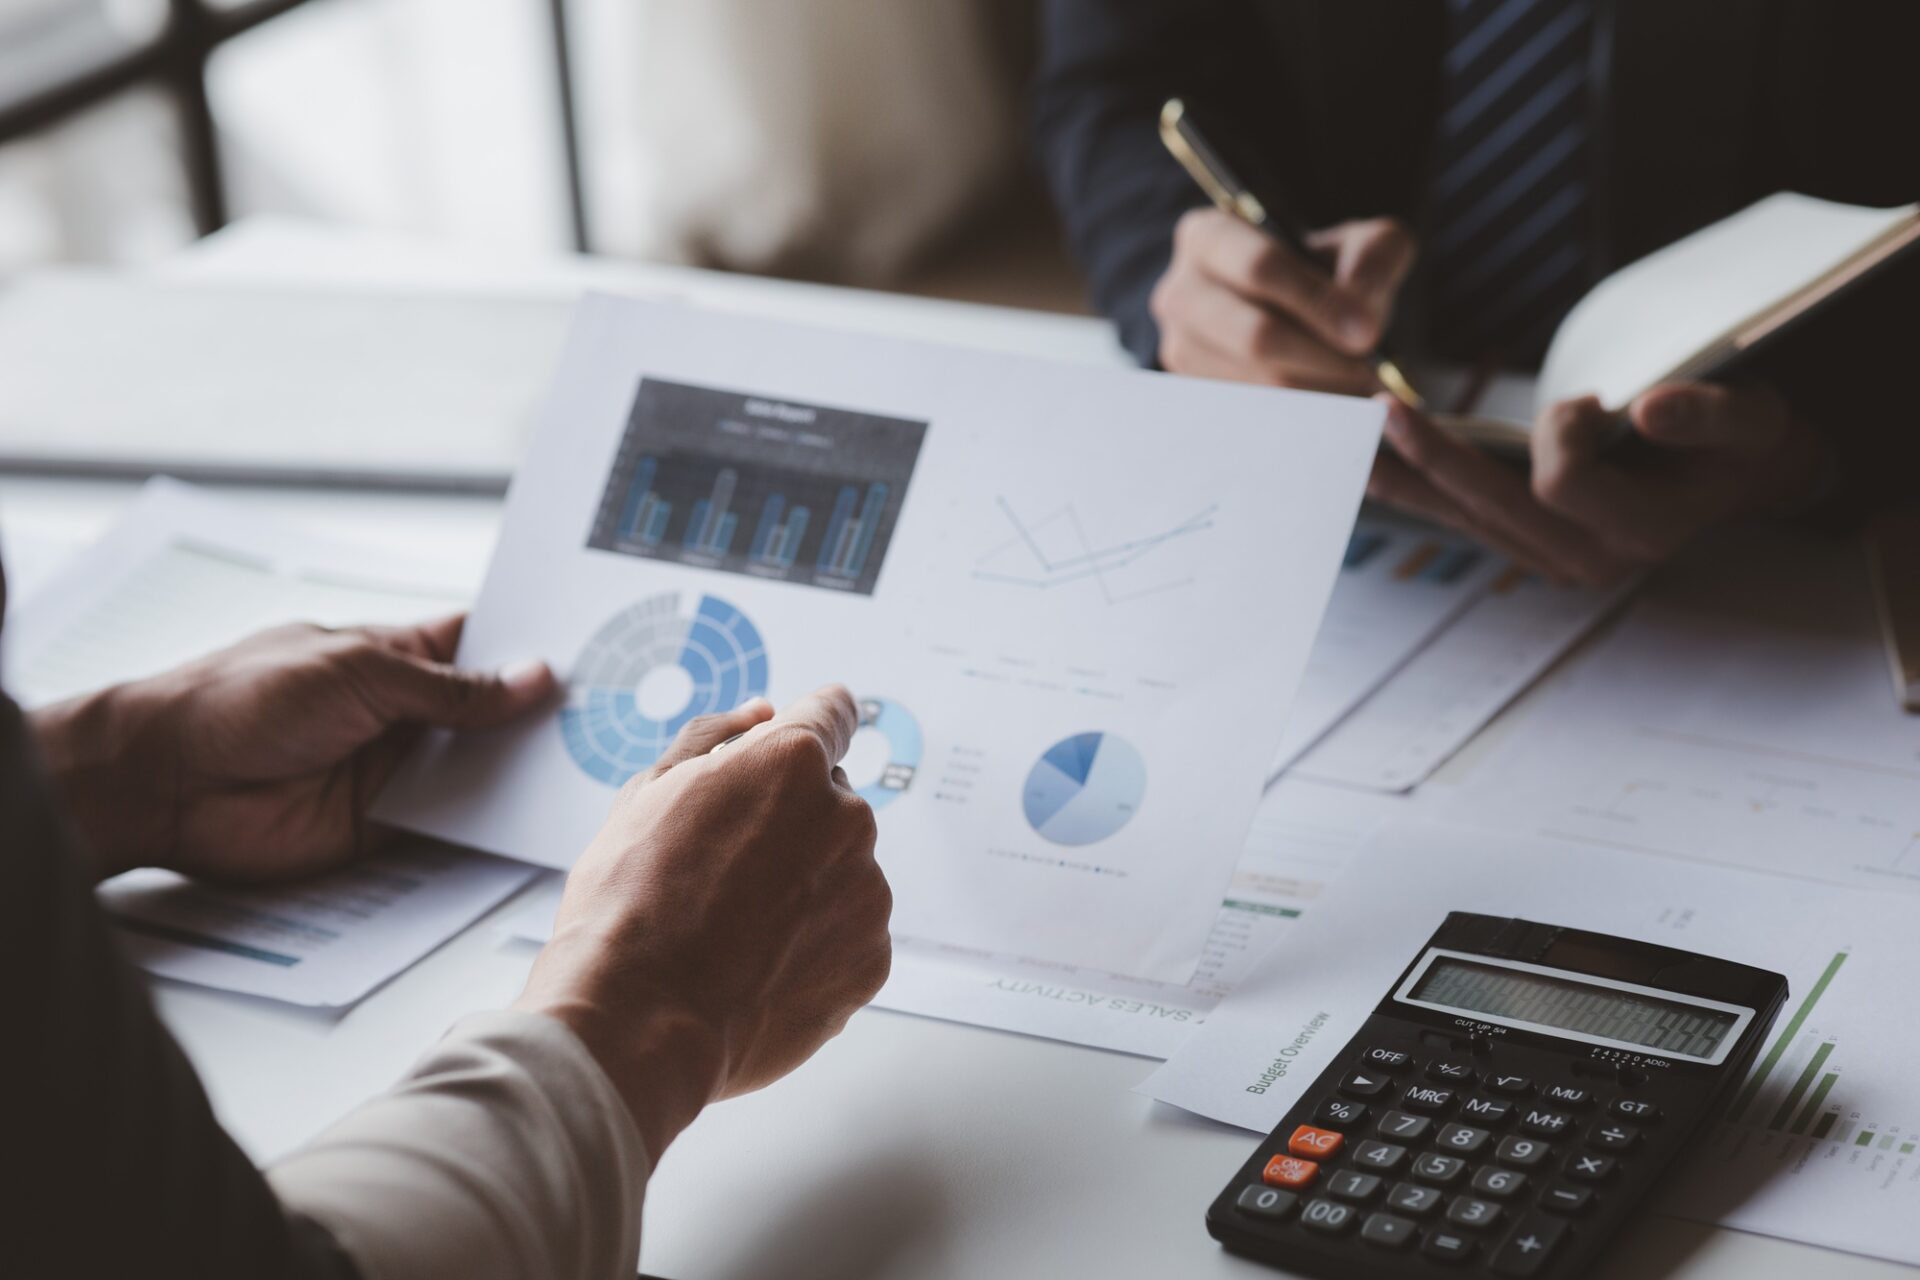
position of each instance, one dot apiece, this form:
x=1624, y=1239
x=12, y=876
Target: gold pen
x=1203, y=161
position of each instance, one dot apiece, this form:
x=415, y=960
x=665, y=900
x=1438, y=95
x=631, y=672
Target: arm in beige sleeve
x=506, y=1152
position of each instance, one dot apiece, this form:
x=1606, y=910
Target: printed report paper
x=1302, y=837
x=1819, y=1144
x=1074, y=604
x=327, y=941
x=1739, y=714
x=182, y=574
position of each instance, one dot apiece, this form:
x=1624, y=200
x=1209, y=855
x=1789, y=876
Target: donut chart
x=1085, y=788
x=904, y=746
x=716, y=646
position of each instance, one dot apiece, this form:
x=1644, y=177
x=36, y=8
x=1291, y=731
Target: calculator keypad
x=1339, y=1113
x=1389, y=1232
x=1329, y=1217
x=1461, y=1162
x=1404, y=1126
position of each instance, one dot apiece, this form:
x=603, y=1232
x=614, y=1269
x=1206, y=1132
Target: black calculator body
x=1503, y=1110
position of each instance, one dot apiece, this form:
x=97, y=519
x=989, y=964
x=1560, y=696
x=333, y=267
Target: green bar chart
x=1743, y=1102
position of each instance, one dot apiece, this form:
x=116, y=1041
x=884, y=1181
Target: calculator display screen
x=1596, y=1010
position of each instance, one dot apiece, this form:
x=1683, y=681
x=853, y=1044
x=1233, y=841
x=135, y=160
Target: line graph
x=1055, y=551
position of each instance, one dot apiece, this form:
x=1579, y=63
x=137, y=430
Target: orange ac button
x=1288, y=1171
x=1318, y=1143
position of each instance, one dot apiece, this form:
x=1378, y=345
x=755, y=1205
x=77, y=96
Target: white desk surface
x=908, y=1147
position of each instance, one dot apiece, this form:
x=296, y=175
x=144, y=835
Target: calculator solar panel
x=1503, y=1110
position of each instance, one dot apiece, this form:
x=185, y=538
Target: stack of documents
x=182, y=574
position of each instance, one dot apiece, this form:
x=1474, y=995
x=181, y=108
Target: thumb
x=408, y=689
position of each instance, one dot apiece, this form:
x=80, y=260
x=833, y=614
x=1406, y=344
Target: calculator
x=1504, y=1108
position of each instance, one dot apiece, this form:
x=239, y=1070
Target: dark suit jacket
x=114, y=1164
x=1704, y=106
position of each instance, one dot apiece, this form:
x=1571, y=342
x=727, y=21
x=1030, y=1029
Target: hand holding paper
x=256, y=763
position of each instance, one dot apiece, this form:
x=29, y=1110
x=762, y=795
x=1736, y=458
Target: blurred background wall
x=875, y=142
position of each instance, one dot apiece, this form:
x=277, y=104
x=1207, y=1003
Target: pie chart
x=1085, y=788
x=650, y=669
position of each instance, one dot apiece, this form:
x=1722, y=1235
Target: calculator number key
x=1314, y=1144
x=1329, y=1216
x=1462, y=1139
x=1354, y=1186
x=1289, y=1172
x=1521, y=1153
x=1269, y=1203
x=1438, y=1170
x=1548, y=1124
x=1418, y=1201
x=1382, y=1156
x=1529, y=1246
x=1467, y=1211
x=1387, y=1231
x=1404, y=1126
x=1338, y=1113
x=1502, y=1184
x=1589, y=1168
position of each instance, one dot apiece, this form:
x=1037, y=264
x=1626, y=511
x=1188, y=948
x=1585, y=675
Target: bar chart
x=771, y=489
x=1823, y=1124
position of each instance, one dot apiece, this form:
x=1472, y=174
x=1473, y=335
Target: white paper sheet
x=182, y=574
x=1449, y=690
x=1762, y=1170
x=1400, y=584
x=1302, y=837
x=1740, y=713
x=116, y=373
x=1075, y=600
x=327, y=941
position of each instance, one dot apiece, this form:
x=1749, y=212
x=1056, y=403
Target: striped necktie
x=1506, y=240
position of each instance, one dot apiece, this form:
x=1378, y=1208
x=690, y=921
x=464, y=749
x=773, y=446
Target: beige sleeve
x=504, y=1153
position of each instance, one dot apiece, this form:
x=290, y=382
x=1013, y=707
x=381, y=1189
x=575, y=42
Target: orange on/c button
x=1286, y=1171
x=1309, y=1141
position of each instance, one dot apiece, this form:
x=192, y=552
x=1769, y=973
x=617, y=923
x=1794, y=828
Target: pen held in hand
x=1210, y=170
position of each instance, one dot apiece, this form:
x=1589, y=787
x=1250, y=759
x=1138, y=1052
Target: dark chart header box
x=756, y=485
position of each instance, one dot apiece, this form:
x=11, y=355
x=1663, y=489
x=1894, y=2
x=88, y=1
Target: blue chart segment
x=1085, y=788
x=716, y=646
x=904, y=747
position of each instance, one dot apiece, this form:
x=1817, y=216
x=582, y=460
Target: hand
x=1237, y=304
x=1705, y=454
x=257, y=763
x=728, y=919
